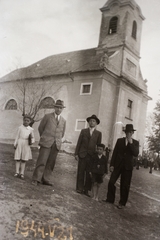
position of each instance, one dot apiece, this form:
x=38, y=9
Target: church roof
x=66, y=63
x=77, y=61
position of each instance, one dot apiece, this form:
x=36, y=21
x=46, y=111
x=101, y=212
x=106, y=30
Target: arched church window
x=11, y=105
x=134, y=30
x=46, y=103
x=113, y=25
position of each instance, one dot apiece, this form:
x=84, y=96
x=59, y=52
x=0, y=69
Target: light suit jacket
x=123, y=155
x=87, y=144
x=50, y=131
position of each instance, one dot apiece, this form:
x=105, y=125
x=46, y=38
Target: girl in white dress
x=24, y=138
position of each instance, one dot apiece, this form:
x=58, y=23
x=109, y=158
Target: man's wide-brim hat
x=129, y=128
x=59, y=103
x=93, y=117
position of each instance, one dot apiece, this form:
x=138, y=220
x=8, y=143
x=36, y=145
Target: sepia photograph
x=80, y=120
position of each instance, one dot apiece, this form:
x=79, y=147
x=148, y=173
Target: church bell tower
x=120, y=31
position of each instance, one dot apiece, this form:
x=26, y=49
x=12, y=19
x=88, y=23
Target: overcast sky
x=31, y=30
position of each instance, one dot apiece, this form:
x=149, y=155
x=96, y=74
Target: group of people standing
x=149, y=160
x=92, y=163
x=153, y=161
x=121, y=164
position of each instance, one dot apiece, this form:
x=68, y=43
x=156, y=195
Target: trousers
x=83, y=177
x=125, y=181
x=45, y=163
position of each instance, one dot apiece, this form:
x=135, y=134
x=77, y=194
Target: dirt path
x=58, y=212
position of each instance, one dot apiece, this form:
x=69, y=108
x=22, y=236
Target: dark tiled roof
x=83, y=60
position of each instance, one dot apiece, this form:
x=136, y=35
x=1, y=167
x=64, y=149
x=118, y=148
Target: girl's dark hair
x=27, y=116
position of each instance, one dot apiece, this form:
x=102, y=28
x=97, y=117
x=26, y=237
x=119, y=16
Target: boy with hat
x=51, y=130
x=122, y=165
x=86, y=147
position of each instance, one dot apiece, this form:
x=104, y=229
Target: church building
x=105, y=81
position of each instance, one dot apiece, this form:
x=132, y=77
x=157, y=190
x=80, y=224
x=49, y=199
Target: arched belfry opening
x=113, y=25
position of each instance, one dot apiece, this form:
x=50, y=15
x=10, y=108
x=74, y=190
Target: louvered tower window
x=113, y=25
x=134, y=30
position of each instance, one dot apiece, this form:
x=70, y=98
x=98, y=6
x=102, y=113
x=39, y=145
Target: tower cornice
x=121, y=4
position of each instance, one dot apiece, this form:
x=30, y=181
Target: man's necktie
x=57, y=119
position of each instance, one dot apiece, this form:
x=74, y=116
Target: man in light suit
x=51, y=130
x=86, y=147
x=122, y=165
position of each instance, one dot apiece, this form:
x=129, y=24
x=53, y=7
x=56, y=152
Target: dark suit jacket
x=123, y=155
x=87, y=144
x=99, y=166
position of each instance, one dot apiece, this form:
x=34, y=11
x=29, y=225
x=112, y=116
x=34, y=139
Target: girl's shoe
x=16, y=175
x=21, y=176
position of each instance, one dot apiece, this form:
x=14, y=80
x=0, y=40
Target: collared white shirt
x=57, y=117
x=91, y=130
x=99, y=156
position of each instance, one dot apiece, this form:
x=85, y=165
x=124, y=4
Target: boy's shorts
x=97, y=178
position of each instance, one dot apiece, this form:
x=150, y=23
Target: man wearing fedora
x=122, y=165
x=51, y=130
x=86, y=147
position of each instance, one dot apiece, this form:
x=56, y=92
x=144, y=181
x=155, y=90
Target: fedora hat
x=129, y=128
x=59, y=103
x=93, y=117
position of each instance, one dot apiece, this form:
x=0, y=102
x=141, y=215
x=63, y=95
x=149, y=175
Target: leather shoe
x=106, y=201
x=47, y=183
x=120, y=206
x=86, y=193
x=79, y=191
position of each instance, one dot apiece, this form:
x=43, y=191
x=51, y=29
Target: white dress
x=23, y=150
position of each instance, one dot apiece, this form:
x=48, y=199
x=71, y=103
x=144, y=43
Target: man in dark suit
x=51, y=130
x=122, y=165
x=86, y=147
